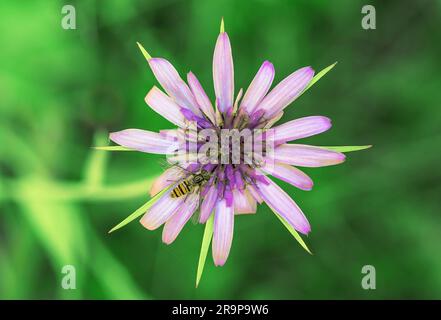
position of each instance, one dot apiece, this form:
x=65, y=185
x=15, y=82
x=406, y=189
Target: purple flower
x=237, y=185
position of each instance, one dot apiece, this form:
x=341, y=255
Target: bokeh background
x=62, y=91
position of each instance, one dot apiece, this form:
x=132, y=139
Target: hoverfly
x=189, y=184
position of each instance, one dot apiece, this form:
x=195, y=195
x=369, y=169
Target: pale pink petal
x=258, y=88
x=172, y=83
x=144, y=141
x=301, y=128
x=170, y=134
x=254, y=193
x=208, y=204
x=251, y=201
x=182, y=157
x=223, y=73
x=222, y=232
x=161, y=210
x=244, y=203
x=168, y=177
x=306, y=156
x=280, y=202
x=174, y=225
x=201, y=97
x=268, y=124
x=165, y=106
x=286, y=92
x=289, y=174
x=181, y=135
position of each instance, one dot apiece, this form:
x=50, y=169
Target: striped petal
x=168, y=177
x=161, y=211
x=223, y=232
x=201, y=97
x=144, y=141
x=286, y=92
x=282, y=204
x=289, y=174
x=301, y=128
x=244, y=203
x=182, y=134
x=268, y=124
x=170, y=134
x=172, y=83
x=174, y=225
x=258, y=88
x=253, y=192
x=306, y=156
x=165, y=106
x=208, y=203
x=238, y=179
x=223, y=73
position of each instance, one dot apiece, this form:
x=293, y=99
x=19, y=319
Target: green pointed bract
x=208, y=234
x=318, y=76
x=140, y=211
x=291, y=230
x=222, y=26
x=347, y=148
x=113, y=148
x=146, y=55
x=294, y=233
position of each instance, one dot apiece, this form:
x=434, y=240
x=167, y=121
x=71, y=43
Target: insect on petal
x=168, y=177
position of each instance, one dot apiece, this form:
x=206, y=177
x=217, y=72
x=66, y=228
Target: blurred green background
x=62, y=91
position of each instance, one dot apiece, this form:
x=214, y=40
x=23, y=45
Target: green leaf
x=347, y=148
x=113, y=148
x=208, y=233
x=115, y=279
x=96, y=162
x=293, y=232
x=141, y=210
x=318, y=76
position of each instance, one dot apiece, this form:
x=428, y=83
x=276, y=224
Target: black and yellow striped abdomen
x=182, y=188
